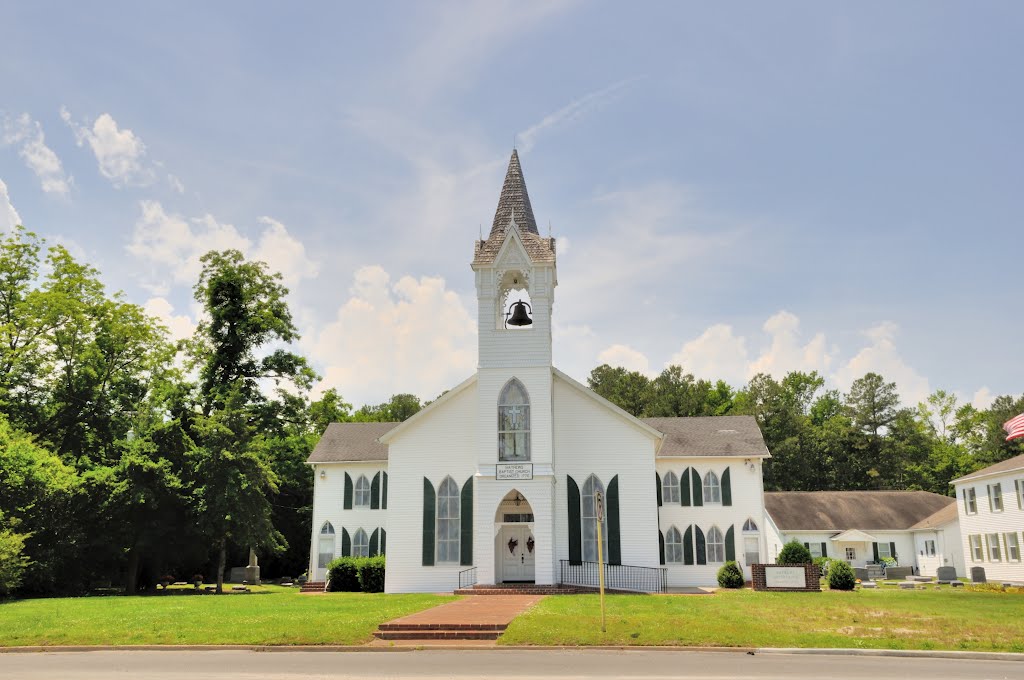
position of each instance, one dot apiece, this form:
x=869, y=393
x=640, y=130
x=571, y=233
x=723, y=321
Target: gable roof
x=710, y=436
x=344, y=442
x=938, y=519
x=842, y=510
x=1008, y=465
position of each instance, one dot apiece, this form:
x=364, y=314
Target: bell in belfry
x=519, y=315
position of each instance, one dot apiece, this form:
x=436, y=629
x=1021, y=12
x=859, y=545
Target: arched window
x=712, y=489
x=751, y=543
x=362, y=492
x=448, y=525
x=670, y=488
x=673, y=546
x=716, y=546
x=513, y=422
x=325, y=552
x=360, y=544
x=589, y=517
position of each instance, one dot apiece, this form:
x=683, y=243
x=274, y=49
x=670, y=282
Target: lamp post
x=599, y=503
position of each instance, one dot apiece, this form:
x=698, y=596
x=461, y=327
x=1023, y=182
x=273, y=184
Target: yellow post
x=599, y=501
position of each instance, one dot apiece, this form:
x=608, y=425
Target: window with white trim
x=751, y=549
x=1019, y=486
x=513, y=422
x=976, y=552
x=716, y=546
x=815, y=548
x=851, y=554
x=929, y=548
x=448, y=521
x=362, y=492
x=970, y=501
x=673, y=546
x=1012, y=547
x=325, y=550
x=589, y=518
x=360, y=544
x=884, y=550
x=995, y=497
x=712, y=489
x=993, y=547
x=670, y=488
x=749, y=525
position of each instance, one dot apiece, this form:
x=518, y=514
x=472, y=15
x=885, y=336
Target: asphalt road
x=484, y=665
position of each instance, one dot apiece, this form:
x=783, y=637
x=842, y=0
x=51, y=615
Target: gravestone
x=978, y=575
x=861, y=573
x=946, y=574
x=897, y=572
x=252, y=571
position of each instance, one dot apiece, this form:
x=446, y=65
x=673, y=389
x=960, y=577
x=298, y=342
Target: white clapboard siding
x=986, y=522
x=328, y=506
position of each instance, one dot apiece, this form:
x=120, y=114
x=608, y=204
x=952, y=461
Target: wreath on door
x=513, y=543
x=530, y=544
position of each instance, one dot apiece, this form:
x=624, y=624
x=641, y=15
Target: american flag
x=1014, y=427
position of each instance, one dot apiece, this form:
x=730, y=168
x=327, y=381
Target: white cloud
x=41, y=159
x=173, y=246
x=882, y=357
x=626, y=357
x=181, y=326
x=569, y=113
x=717, y=354
x=983, y=398
x=176, y=184
x=9, y=217
x=412, y=335
x=786, y=353
x=119, y=152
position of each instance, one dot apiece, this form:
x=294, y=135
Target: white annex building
x=495, y=482
x=991, y=509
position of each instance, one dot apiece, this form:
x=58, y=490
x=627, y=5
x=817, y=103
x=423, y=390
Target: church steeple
x=514, y=200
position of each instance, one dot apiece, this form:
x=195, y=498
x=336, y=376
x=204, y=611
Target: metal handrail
x=467, y=577
x=617, y=576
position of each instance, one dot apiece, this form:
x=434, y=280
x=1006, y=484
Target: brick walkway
x=471, y=618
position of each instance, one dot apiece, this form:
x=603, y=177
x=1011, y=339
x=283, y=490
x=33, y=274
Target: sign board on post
x=513, y=471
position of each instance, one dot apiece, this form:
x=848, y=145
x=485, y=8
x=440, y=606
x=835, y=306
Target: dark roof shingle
x=710, y=436
x=349, y=442
x=842, y=510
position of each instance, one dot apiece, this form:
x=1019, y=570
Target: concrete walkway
x=480, y=617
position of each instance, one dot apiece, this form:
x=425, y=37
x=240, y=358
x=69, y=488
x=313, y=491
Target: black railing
x=616, y=577
x=467, y=577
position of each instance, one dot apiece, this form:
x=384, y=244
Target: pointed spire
x=514, y=202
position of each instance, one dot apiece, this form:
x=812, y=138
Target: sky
x=736, y=187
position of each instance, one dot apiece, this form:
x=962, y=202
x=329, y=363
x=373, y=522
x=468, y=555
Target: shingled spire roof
x=514, y=200
x=514, y=208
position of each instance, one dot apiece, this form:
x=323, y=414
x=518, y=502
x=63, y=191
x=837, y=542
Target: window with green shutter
x=429, y=509
x=347, y=501
x=575, y=525
x=466, y=552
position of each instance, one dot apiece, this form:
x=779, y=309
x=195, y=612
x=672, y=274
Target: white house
x=497, y=480
x=991, y=509
x=916, y=528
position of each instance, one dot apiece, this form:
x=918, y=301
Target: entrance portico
x=515, y=548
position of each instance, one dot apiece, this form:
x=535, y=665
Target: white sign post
x=599, y=502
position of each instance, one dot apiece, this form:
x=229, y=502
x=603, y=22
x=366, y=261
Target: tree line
x=126, y=457
x=821, y=439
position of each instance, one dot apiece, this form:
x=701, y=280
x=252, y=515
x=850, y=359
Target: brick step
x=313, y=587
x=446, y=634
x=416, y=627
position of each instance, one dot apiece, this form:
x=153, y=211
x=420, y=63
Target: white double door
x=518, y=551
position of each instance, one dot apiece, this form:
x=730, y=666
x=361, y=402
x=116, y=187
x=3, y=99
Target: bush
x=343, y=575
x=824, y=564
x=12, y=561
x=841, y=576
x=794, y=552
x=730, y=575
x=371, y=574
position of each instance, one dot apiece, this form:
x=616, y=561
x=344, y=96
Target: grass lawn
x=890, y=619
x=269, y=615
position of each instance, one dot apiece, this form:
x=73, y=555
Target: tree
x=626, y=389
x=232, y=464
x=872, y=403
x=13, y=561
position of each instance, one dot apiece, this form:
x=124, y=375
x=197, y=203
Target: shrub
x=12, y=560
x=794, y=552
x=730, y=575
x=371, y=574
x=841, y=576
x=343, y=575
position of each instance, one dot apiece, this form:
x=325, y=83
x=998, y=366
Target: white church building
x=495, y=481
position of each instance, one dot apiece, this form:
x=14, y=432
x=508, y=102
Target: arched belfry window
x=325, y=551
x=513, y=422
